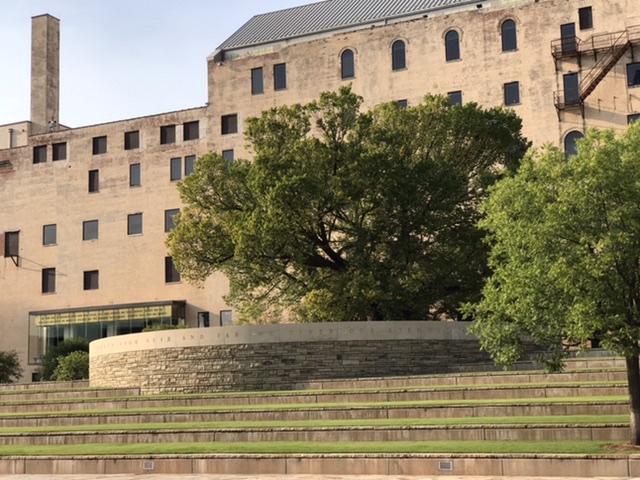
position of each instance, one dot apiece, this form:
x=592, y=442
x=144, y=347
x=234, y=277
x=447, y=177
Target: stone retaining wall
x=277, y=357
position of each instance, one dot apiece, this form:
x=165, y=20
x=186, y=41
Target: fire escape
x=607, y=49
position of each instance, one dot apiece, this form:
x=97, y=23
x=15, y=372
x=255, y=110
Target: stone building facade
x=86, y=210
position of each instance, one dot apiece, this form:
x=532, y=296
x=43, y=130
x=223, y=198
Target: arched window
x=452, y=45
x=509, y=36
x=398, y=57
x=570, y=143
x=348, y=68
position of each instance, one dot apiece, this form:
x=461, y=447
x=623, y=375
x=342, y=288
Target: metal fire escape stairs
x=607, y=48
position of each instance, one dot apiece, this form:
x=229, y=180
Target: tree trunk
x=633, y=378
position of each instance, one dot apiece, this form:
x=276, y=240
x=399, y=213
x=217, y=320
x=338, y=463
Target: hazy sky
x=120, y=58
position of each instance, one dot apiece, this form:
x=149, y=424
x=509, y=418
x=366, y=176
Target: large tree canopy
x=565, y=238
x=348, y=215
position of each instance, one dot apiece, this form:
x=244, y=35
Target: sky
x=121, y=59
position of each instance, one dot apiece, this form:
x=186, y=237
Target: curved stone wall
x=277, y=357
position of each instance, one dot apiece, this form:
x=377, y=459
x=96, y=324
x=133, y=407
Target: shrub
x=10, y=369
x=74, y=366
x=50, y=360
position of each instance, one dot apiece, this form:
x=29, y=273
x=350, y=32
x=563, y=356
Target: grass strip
x=329, y=406
x=445, y=447
x=319, y=393
x=316, y=424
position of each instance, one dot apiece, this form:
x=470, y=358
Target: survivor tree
x=346, y=214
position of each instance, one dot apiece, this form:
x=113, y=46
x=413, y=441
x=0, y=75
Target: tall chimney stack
x=45, y=73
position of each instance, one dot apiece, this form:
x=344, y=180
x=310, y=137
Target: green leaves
x=348, y=215
x=565, y=239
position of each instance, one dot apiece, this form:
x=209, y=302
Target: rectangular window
x=176, y=169
x=203, y=319
x=634, y=117
x=512, y=93
x=11, y=244
x=455, y=98
x=191, y=130
x=169, y=223
x=90, y=230
x=99, y=145
x=280, y=76
x=633, y=74
x=568, y=36
x=167, y=134
x=48, y=280
x=225, y=317
x=40, y=154
x=134, y=224
x=571, y=90
x=402, y=103
x=171, y=275
x=50, y=234
x=586, y=18
x=94, y=181
x=228, y=155
x=91, y=280
x=189, y=164
x=229, y=124
x=59, y=151
x=257, y=81
x=131, y=140
x=134, y=175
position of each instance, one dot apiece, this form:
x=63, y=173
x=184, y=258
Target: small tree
x=10, y=368
x=565, y=238
x=50, y=360
x=74, y=366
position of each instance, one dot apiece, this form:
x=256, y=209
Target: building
x=86, y=210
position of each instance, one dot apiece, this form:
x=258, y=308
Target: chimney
x=45, y=73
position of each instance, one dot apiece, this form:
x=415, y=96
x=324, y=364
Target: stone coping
x=281, y=333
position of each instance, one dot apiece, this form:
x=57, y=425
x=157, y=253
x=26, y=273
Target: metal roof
x=326, y=16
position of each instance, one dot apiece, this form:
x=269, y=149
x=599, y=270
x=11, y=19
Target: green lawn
x=460, y=447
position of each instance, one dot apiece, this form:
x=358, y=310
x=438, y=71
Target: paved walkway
x=286, y=477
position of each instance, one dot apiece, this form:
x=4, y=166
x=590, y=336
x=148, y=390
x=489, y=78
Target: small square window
x=226, y=317
x=512, y=93
x=280, y=76
x=585, y=16
x=90, y=230
x=99, y=145
x=50, y=234
x=189, y=164
x=132, y=140
x=167, y=134
x=134, y=175
x=634, y=117
x=191, y=130
x=229, y=124
x=257, y=81
x=11, y=244
x=169, y=223
x=228, y=155
x=48, y=280
x=40, y=154
x=633, y=74
x=134, y=224
x=402, y=103
x=455, y=98
x=171, y=275
x=94, y=181
x=91, y=280
x=176, y=169
x=59, y=151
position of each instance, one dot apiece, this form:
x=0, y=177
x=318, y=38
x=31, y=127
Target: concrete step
x=556, y=432
x=76, y=394
x=321, y=413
